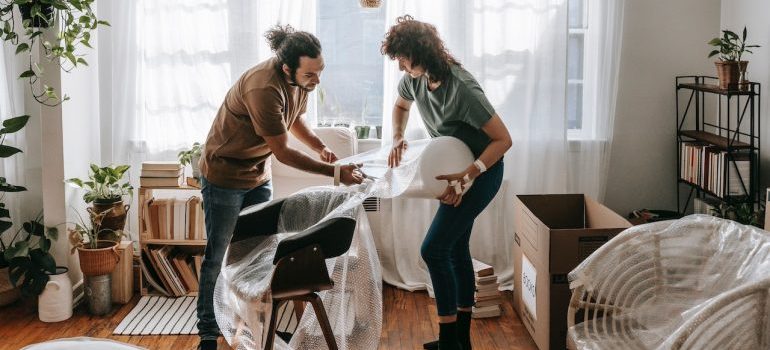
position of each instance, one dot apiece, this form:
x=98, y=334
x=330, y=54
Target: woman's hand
x=327, y=155
x=453, y=194
x=399, y=147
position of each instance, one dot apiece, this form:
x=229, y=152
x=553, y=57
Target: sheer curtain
x=170, y=63
x=517, y=50
x=14, y=168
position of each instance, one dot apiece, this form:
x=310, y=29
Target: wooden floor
x=409, y=320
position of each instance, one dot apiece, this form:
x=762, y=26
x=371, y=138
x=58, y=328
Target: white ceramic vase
x=55, y=303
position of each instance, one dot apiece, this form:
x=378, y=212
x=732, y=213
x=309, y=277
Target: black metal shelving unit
x=725, y=120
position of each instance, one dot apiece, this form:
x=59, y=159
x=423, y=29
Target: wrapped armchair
x=696, y=283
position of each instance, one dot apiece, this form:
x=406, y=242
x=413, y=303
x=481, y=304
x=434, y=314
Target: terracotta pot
x=8, y=293
x=99, y=261
x=728, y=73
x=114, y=218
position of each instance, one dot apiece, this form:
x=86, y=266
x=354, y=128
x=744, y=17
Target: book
x=161, y=181
x=494, y=301
x=162, y=173
x=161, y=165
x=487, y=311
x=481, y=269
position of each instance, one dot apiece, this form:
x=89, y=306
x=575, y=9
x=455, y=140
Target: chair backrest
x=333, y=235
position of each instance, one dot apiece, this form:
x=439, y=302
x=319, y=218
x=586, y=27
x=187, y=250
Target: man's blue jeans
x=446, y=248
x=221, y=207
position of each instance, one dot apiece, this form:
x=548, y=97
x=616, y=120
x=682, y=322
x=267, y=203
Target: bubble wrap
x=242, y=301
x=696, y=283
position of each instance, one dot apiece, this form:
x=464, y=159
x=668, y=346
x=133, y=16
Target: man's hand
x=327, y=155
x=399, y=147
x=349, y=174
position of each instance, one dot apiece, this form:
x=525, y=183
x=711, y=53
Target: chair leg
x=271, y=328
x=299, y=309
x=323, y=320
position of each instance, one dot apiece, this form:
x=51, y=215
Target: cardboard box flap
x=599, y=216
x=557, y=211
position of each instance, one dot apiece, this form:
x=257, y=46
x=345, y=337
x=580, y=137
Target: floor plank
x=409, y=319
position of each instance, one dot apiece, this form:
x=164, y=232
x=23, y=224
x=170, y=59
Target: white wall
x=754, y=15
x=661, y=39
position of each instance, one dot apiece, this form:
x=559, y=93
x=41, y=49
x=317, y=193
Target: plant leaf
x=27, y=74
x=7, y=151
x=18, y=249
x=52, y=233
x=34, y=228
x=21, y=48
x=12, y=125
x=44, y=260
x=5, y=225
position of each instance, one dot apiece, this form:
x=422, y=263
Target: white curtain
x=590, y=158
x=13, y=168
x=517, y=50
x=169, y=64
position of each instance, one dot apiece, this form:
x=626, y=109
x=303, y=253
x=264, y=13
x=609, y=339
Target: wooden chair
x=299, y=271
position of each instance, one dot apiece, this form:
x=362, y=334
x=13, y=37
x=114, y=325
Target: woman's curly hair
x=419, y=42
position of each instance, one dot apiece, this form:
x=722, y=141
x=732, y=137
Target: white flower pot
x=55, y=303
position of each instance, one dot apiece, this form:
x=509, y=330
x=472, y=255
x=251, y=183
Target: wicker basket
x=8, y=293
x=99, y=261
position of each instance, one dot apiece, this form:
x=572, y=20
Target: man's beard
x=293, y=82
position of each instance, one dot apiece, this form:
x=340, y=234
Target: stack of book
x=710, y=168
x=488, y=298
x=170, y=270
x=173, y=218
x=161, y=174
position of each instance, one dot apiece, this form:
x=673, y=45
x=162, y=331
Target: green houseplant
x=28, y=257
x=97, y=253
x=23, y=23
x=730, y=48
x=191, y=157
x=105, y=189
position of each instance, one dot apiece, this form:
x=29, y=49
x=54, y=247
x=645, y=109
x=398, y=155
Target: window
x=351, y=84
x=577, y=124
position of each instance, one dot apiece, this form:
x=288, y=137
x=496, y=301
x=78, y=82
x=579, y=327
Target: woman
x=451, y=103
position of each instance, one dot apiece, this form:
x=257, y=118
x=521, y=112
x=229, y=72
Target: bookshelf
x=147, y=243
x=718, y=140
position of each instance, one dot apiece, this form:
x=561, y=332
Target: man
x=264, y=103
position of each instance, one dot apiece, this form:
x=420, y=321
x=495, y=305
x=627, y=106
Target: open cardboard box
x=553, y=234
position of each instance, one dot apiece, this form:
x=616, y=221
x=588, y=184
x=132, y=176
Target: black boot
x=464, y=329
x=208, y=344
x=447, y=336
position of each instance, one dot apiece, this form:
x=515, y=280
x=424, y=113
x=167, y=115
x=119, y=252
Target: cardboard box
x=553, y=234
x=123, y=275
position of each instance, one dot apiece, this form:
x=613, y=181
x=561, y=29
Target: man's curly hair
x=419, y=42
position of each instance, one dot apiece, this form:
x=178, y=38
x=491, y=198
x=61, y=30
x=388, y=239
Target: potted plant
x=730, y=49
x=105, y=188
x=98, y=257
x=28, y=259
x=192, y=156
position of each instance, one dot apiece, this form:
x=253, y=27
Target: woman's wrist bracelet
x=480, y=165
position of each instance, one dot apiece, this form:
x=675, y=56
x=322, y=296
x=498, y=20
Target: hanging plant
x=23, y=23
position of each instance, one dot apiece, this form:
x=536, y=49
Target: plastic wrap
x=242, y=301
x=696, y=283
x=415, y=177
